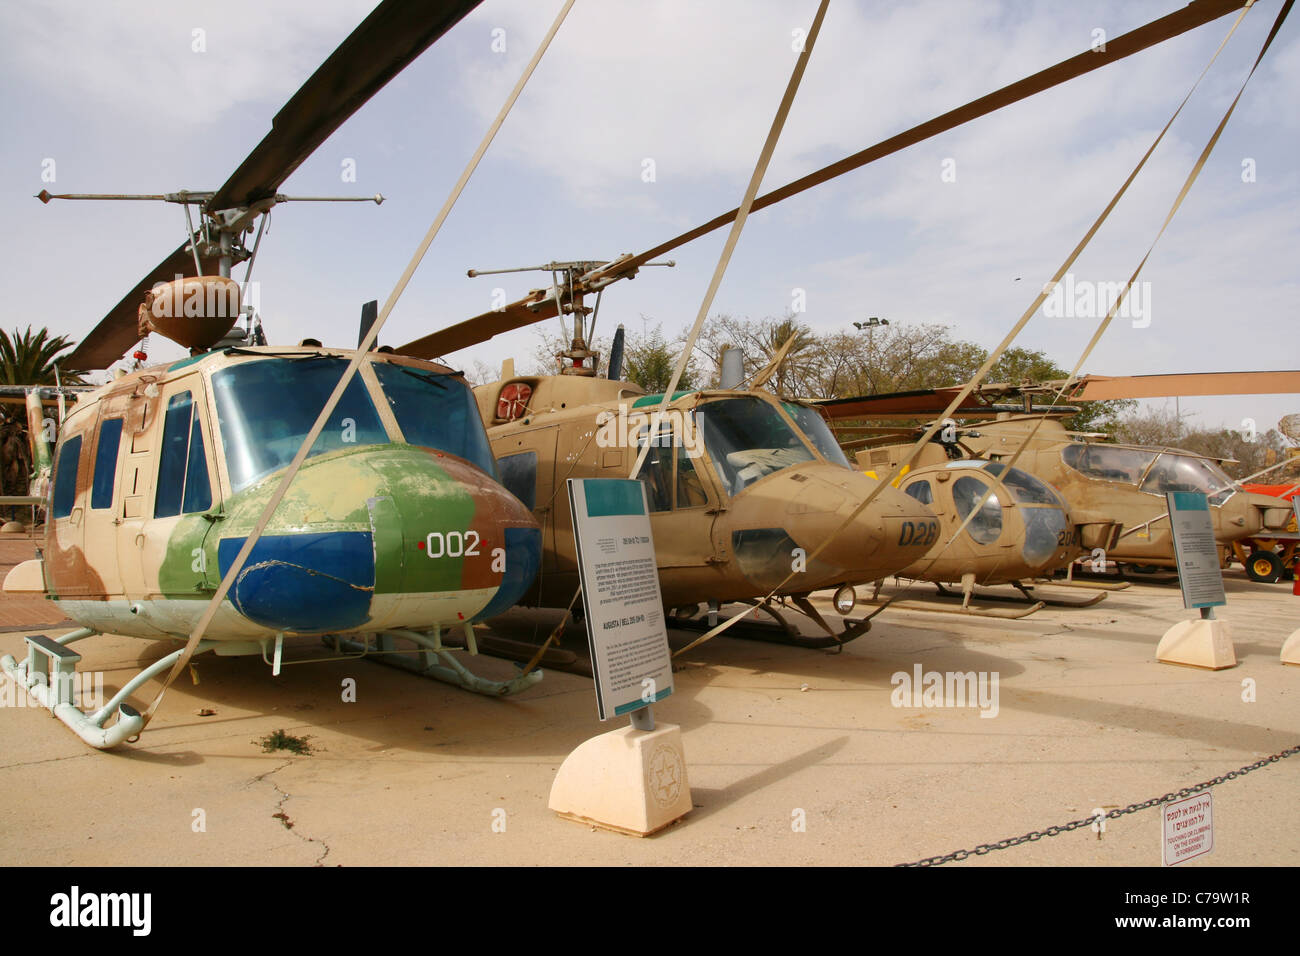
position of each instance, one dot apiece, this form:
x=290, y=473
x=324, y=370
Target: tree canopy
x=29, y=358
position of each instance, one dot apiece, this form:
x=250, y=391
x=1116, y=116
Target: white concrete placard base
x=1198, y=643
x=632, y=781
x=1291, y=649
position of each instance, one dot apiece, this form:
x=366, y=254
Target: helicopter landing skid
x=432, y=659
x=782, y=632
x=936, y=606
x=1024, y=589
x=1093, y=585
x=49, y=675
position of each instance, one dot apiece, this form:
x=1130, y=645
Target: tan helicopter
x=998, y=525
x=742, y=487
x=1104, y=484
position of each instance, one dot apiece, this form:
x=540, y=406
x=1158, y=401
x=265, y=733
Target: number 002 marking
x=453, y=544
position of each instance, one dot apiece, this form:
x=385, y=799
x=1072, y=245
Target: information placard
x=1187, y=829
x=1195, y=550
x=626, y=631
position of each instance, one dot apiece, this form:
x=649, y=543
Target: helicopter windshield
x=814, y=426
x=1184, y=473
x=1023, y=486
x=435, y=410
x=266, y=408
x=747, y=439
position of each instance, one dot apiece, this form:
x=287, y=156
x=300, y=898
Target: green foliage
x=649, y=361
x=1018, y=366
x=29, y=358
x=279, y=740
x=15, y=457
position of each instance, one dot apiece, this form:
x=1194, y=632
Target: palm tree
x=15, y=457
x=30, y=358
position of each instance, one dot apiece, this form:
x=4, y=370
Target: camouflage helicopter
x=1104, y=484
x=740, y=484
x=396, y=527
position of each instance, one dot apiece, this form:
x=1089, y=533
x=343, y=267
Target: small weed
x=279, y=740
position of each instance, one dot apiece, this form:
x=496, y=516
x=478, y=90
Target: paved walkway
x=20, y=613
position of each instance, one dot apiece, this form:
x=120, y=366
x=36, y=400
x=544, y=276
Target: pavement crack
x=285, y=820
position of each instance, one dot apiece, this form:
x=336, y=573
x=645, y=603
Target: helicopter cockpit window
x=65, y=478
x=1023, y=486
x=101, y=489
x=435, y=410
x=690, y=490
x=1107, y=462
x=747, y=439
x=183, y=486
x=818, y=432
x=986, y=526
x=1184, y=473
x=920, y=490
x=266, y=408
x=657, y=470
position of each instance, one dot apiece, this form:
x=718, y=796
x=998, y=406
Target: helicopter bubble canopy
x=1153, y=472
x=1041, y=509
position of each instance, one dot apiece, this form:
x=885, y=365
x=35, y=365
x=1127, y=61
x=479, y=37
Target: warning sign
x=1188, y=828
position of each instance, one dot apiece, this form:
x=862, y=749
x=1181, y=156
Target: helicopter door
x=103, y=507
x=67, y=516
x=135, y=490
x=680, y=501
x=167, y=540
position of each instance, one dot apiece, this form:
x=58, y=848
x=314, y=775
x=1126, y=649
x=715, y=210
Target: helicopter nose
x=304, y=581
x=887, y=536
x=1241, y=516
x=386, y=537
x=801, y=507
x=454, y=544
x=1273, y=514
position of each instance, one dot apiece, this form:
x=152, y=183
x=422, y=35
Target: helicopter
x=390, y=37
x=513, y=397
x=1020, y=529
x=397, y=527
x=740, y=485
x=1103, y=483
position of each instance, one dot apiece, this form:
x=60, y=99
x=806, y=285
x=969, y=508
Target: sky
x=961, y=230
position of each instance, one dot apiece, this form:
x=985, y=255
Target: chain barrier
x=1033, y=835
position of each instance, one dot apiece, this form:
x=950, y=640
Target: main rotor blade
x=914, y=404
x=462, y=335
x=395, y=33
x=118, y=330
x=1094, y=388
x=1195, y=14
